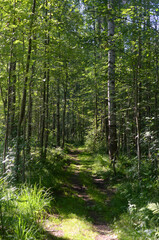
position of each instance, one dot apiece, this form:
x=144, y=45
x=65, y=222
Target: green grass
x=21, y=209
x=122, y=203
x=78, y=229
x=140, y=224
x=74, y=216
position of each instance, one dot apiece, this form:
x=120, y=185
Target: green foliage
x=137, y=223
x=154, y=207
x=67, y=69
x=51, y=172
x=140, y=220
x=21, y=209
x=9, y=165
x=57, y=154
x=94, y=141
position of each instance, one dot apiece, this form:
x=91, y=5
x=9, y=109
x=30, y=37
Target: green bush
x=94, y=142
x=140, y=221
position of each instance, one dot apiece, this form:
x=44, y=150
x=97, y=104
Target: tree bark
x=30, y=107
x=58, y=114
x=111, y=90
x=11, y=98
x=47, y=114
x=156, y=99
x=23, y=103
x=137, y=120
x=64, y=109
x=95, y=74
x=43, y=113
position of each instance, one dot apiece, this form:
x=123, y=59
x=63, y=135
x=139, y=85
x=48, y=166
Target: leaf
x=12, y=26
x=154, y=207
x=126, y=11
x=17, y=41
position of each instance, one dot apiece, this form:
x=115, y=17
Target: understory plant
x=95, y=140
x=140, y=221
x=22, y=210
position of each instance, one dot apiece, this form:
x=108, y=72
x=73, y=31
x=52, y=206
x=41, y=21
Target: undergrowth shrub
x=51, y=172
x=127, y=167
x=21, y=209
x=57, y=154
x=94, y=141
x=101, y=165
x=140, y=221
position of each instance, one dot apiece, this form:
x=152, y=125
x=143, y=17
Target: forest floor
x=82, y=208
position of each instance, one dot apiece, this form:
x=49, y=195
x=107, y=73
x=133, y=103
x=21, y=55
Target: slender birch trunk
x=111, y=89
x=10, y=99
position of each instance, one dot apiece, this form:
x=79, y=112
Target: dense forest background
x=82, y=73
x=66, y=76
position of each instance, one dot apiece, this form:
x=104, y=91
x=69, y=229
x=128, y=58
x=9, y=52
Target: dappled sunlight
x=72, y=227
x=82, y=202
x=78, y=228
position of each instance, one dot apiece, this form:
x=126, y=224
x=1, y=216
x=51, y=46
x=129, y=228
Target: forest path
x=83, y=204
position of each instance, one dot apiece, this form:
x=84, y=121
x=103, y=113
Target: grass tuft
x=21, y=209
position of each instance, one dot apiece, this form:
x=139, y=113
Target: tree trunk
x=30, y=106
x=156, y=101
x=137, y=114
x=23, y=103
x=13, y=101
x=10, y=101
x=43, y=114
x=47, y=114
x=64, y=109
x=95, y=74
x=58, y=114
x=111, y=90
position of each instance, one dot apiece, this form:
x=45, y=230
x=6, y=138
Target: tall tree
x=23, y=102
x=111, y=87
x=10, y=132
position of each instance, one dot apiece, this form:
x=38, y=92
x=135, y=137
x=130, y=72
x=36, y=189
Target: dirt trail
x=100, y=226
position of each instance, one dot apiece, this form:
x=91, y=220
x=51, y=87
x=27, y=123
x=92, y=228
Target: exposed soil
x=100, y=226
